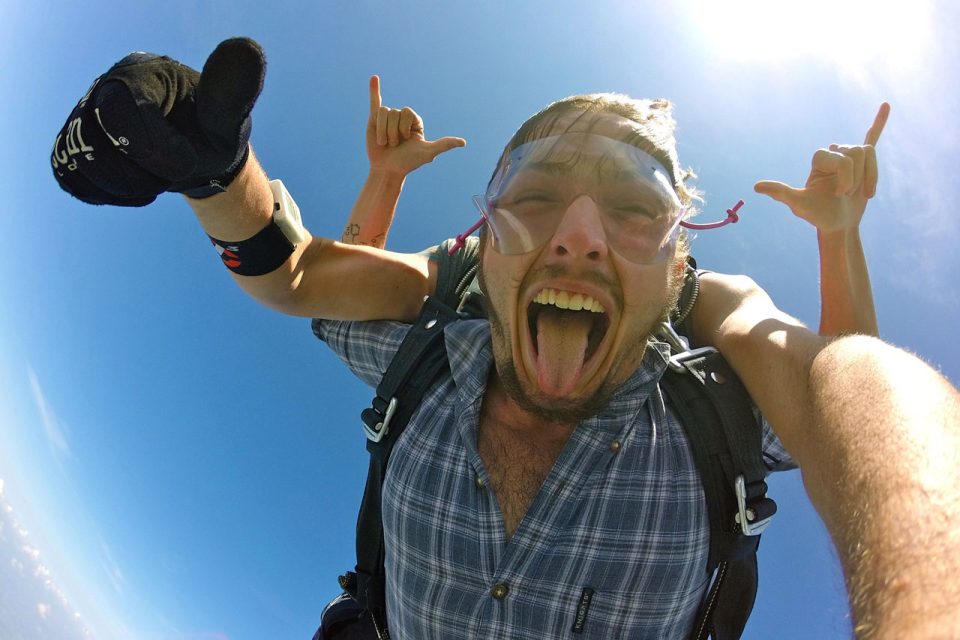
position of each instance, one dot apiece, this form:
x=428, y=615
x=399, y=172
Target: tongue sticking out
x=562, y=338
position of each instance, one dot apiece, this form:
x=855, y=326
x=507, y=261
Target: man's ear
x=679, y=266
x=678, y=272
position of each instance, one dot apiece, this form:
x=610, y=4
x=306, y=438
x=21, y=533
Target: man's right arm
x=322, y=278
x=150, y=125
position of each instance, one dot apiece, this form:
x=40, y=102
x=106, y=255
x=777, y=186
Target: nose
x=580, y=233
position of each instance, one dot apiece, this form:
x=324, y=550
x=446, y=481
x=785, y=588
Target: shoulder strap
x=420, y=359
x=726, y=440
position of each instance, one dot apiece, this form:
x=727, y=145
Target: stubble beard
x=560, y=409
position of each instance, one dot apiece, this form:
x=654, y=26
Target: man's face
x=570, y=319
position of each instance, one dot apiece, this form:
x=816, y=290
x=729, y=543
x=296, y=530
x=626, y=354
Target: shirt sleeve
x=365, y=347
x=774, y=455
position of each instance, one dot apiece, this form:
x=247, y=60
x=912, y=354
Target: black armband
x=255, y=256
x=271, y=246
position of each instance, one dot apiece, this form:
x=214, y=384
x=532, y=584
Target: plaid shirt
x=614, y=545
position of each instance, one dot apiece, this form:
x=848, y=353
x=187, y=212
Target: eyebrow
x=564, y=169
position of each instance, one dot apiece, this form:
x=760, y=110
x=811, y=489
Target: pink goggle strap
x=462, y=238
x=730, y=219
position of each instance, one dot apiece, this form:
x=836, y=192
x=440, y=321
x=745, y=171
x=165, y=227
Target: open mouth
x=572, y=316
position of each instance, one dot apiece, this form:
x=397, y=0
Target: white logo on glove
x=75, y=146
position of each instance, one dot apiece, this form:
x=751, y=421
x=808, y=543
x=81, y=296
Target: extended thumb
x=229, y=85
x=442, y=145
x=777, y=190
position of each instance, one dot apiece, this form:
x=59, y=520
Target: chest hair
x=517, y=465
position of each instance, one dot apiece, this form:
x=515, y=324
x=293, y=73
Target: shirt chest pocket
x=614, y=614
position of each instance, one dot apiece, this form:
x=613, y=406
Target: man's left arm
x=737, y=317
x=842, y=179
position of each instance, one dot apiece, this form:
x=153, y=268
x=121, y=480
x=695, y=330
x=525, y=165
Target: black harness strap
x=726, y=440
x=416, y=365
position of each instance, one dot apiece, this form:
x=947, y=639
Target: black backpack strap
x=420, y=359
x=726, y=440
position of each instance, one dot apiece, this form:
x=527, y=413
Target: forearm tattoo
x=352, y=232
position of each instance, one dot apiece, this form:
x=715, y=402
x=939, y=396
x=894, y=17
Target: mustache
x=595, y=278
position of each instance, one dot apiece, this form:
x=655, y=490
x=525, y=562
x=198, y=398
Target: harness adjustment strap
x=416, y=348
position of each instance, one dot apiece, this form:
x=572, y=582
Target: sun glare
x=850, y=33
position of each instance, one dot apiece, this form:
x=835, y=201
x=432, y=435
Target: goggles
x=541, y=181
x=631, y=191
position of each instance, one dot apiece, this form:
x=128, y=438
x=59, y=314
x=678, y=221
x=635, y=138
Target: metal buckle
x=676, y=361
x=679, y=347
x=376, y=433
x=678, y=344
x=746, y=516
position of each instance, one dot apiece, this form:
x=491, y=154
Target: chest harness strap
x=421, y=358
x=726, y=440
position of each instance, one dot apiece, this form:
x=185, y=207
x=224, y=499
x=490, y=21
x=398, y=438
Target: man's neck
x=500, y=409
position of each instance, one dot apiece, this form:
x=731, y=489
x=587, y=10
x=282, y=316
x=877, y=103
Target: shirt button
x=499, y=591
x=615, y=446
x=479, y=482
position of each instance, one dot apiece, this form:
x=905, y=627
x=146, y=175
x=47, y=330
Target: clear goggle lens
x=541, y=181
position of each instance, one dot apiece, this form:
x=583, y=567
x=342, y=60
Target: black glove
x=151, y=124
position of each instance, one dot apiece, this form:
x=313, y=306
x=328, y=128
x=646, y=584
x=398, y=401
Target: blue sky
x=179, y=463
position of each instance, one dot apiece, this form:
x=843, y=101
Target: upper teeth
x=567, y=300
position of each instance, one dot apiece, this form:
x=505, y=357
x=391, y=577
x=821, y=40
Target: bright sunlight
x=849, y=33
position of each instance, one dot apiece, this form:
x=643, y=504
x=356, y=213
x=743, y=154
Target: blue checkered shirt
x=614, y=546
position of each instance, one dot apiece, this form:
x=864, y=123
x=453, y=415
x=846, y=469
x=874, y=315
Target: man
x=541, y=468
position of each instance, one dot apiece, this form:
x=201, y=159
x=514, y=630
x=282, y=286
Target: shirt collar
x=470, y=353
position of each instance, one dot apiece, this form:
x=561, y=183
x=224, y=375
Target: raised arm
x=396, y=146
x=151, y=125
x=738, y=317
x=842, y=178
